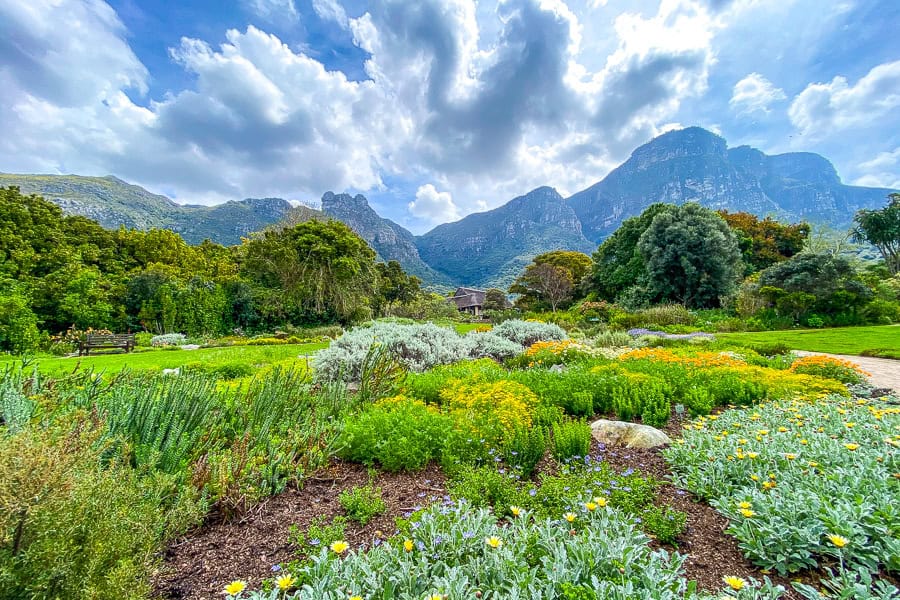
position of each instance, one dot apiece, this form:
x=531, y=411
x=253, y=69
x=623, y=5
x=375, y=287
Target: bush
x=362, y=503
x=526, y=333
x=571, y=439
x=168, y=339
x=143, y=339
x=417, y=347
x=489, y=410
x=832, y=368
x=490, y=345
x=397, y=433
x=524, y=448
x=79, y=529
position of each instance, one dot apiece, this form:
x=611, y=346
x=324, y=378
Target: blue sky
x=435, y=108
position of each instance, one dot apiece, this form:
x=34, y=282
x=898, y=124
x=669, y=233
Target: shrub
x=320, y=534
x=417, y=347
x=526, y=333
x=612, y=339
x=397, y=433
x=832, y=368
x=489, y=410
x=143, y=339
x=570, y=439
x=484, y=344
x=79, y=529
x=665, y=524
x=168, y=339
x=524, y=448
x=362, y=503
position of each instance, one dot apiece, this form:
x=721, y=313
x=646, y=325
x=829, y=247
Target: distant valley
x=492, y=247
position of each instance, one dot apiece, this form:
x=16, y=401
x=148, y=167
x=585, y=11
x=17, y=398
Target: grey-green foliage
x=15, y=406
x=167, y=419
x=525, y=333
x=691, y=256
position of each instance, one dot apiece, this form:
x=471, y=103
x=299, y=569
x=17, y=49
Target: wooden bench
x=95, y=340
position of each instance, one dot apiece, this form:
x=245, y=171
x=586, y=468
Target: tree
x=395, y=286
x=881, y=228
x=546, y=282
x=764, y=242
x=617, y=265
x=691, y=257
x=495, y=299
x=320, y=267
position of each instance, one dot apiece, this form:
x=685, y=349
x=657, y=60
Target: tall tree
x=546, y=282
x=691, y=256
x=764, y=242
x=495, y=299
x=617, y=263
x=881, y=228
x=395, y=286
x=316, y=266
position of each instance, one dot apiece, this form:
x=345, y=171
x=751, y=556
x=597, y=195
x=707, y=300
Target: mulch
x=197, y=566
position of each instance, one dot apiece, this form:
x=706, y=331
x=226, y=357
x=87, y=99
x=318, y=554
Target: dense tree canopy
x=691, y=257
x=617, y=263
x=764, y=242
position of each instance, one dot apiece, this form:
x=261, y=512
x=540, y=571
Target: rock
x=172, y=371
x=629, y=435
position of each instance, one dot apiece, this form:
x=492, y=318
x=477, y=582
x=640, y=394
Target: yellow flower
x=356, y=598
x=753, y=454
x=804, y=442
x=813, y=463
x=570, y=517
x=285, y=582
x=790, y=456
x=754, y=477
x=763, y=432
x=408, y=545
x=782, y=429
x=768, y=485
x=744, y=505
x=747, y=512
x=235, y=587
x=851, y=447
x=590, y=506
x=493, y=541
x=339, y=547
x=601, y=502
x=850, y=425
x=515, y=511
x=838, y=540
x=735, y=583
x=435, y=597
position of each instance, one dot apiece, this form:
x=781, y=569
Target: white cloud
x=881, y=171
x=823, y=109
x=755, y=94
x=331, y=10
x=273, y=11
x=433, y=206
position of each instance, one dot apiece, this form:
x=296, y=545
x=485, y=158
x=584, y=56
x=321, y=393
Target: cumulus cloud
x=825, y=108
x=273, y=11
x=483, y=117
x=433, y=206
x=755, y=94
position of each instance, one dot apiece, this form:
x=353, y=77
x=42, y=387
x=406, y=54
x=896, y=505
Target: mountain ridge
x=490, y=248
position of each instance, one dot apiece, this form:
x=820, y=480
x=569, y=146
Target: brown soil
x=198, y=566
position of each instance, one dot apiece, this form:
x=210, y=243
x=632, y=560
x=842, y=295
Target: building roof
x=468, y=297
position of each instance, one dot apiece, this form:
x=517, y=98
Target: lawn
x=143, y=360
x=883, y=340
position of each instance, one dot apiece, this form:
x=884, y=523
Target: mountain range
x=492, y=247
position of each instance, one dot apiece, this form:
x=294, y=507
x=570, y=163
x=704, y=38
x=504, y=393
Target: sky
x=434, y=109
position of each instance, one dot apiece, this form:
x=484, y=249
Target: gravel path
x=885, y=372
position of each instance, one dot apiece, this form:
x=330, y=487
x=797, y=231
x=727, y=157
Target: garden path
x=885, y=372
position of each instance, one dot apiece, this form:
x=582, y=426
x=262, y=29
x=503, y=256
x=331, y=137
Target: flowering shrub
x=701, y=360
x=803, y=484
x=526, y=333
x=168, y=339
x=832, y=368
x=489, y=410
x=460, y=552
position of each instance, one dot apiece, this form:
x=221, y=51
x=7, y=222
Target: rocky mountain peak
x=681, y=143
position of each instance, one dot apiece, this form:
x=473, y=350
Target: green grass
x=256, y=356
x=464, y=328
x=882, y=340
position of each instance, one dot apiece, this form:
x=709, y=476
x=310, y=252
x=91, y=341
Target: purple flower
x=276, y=568
x=314, y=542
x=627, y=472
x=468, y=535
x=532, y=492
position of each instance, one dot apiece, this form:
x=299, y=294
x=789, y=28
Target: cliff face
x=695, y=165
x=492, y=248
x=388, y=239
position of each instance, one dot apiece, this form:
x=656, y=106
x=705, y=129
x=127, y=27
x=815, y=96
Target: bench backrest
x=115, y=338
